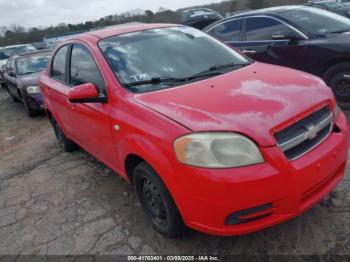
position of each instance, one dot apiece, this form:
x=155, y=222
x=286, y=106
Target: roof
x=273, y=11
x=32, y=53
x=12, y=46
x=122, y=29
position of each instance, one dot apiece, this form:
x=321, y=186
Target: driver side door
x=264, y=41
x=90, y=122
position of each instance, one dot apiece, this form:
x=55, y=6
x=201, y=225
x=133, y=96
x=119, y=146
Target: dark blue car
x=21, y=78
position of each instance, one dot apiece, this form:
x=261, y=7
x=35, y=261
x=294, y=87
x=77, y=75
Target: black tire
x=14, y=99
x=66, y=144
x=157, y=202
x=30, y=111
x=338, y=79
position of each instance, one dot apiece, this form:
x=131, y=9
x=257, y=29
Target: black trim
x=234, y=219
x=100, y=99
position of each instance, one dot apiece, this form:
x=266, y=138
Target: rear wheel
x=66, y=144
x=338, y=78
x=157, y=202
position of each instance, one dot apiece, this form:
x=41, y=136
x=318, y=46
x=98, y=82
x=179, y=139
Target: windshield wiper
x=212, y=71
x=340, y=31
x=28, y=73
x=156, y=80
x=215, y=70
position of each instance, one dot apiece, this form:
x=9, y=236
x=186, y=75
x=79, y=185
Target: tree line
x=17, y=34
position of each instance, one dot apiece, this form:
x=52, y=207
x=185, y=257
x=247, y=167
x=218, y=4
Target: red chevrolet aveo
x=210, y=139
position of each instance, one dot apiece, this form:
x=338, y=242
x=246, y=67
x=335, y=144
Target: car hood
x=253, y=101
x=30, y=80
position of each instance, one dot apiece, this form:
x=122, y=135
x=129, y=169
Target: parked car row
x=210, y=138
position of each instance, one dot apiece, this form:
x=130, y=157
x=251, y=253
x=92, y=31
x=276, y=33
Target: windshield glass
x=333, y=5
x=317, y=21
x=7, y=52
x=167, y=53
x=32, y=64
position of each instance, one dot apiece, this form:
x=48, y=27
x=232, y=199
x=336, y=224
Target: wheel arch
x=332, y=63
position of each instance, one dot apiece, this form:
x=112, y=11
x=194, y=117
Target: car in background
x=209, y=138
x=8, y=51
x=21, y=79
x=200, y=17
x=300, y=37
x=333, y=7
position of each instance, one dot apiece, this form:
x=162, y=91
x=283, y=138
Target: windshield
x=333, y=5
x=32, y=64
x=317, y=21
x=7, y=52
x=168, y=53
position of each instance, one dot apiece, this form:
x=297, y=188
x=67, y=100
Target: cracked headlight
x=33, y=90
x=217, y=150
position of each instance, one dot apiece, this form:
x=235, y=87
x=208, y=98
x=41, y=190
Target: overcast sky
x=31, y=13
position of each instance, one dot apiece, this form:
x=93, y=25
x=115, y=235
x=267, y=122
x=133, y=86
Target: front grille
x=306, y=134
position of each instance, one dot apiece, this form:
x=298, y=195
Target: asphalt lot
x=58, y=203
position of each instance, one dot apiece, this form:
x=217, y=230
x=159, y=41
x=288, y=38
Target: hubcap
x=342, y=85
x=154, y=203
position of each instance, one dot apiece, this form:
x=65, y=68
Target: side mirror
x=285, y=36
x=12, y=74
x=86, y=93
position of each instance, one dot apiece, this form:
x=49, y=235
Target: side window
x=84, y=69
x=229, y=31
x=58, y=70
x=13, y=65
x=263, y=28
x=8, y=65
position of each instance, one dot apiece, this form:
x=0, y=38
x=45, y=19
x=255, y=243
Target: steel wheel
x=154, y=203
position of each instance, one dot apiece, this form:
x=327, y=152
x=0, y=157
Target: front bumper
x=206, y=198
x=35, y=101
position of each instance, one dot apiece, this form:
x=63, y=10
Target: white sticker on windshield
x=140, y=77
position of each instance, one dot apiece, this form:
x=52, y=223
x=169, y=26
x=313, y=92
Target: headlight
x=33, y=89
x=217, y=150
x=337, y=111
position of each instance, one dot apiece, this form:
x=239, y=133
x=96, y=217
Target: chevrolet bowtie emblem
x=311, y=131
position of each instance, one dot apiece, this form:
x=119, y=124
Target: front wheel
x=338, y=79
x=157, y=202
x=30, y=112
x=65, y=143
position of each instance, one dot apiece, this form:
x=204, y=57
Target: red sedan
x=210, y=139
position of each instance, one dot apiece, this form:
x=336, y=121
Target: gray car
x=334, y=7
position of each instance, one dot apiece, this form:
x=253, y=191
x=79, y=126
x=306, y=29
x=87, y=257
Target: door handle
x=249, y=52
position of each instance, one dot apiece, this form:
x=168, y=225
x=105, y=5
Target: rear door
x=11, y=80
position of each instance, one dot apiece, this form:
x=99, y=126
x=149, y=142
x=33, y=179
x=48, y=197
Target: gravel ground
x=57, y=203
